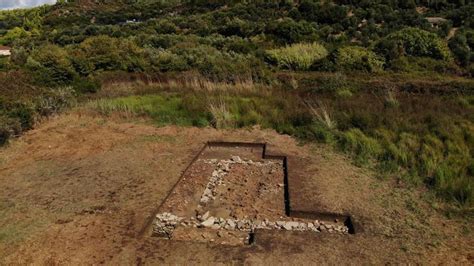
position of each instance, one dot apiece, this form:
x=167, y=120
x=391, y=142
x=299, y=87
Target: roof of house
x=436, y=20
x=4, y=47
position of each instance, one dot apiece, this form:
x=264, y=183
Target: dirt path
x=79, y=189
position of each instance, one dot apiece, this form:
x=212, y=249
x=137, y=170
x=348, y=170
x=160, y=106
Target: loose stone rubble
x=166, y=223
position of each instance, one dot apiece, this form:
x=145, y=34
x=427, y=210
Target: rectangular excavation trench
x=233, y=190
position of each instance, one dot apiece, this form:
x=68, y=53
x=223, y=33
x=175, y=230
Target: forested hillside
x=387, y=82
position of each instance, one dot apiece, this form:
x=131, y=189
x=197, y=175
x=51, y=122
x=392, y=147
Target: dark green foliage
x=120, y=35
x=414, y=42
x=462, y=45
x=289, y=31
x=106, y=53
x=86, y=85
x=50, y=65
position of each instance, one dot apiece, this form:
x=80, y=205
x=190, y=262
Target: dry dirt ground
x=80, y=190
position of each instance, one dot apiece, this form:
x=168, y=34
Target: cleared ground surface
x=80, y=190
x=245, y=193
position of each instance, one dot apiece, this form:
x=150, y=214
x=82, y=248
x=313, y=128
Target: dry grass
x=222, y=117
x=194, y=84
x=321, y=113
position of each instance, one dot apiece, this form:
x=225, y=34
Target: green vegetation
x=398, y=133
x=392, y=90
x=414, y=42
x=163, y=109
x=359, y=58
x=298, y=56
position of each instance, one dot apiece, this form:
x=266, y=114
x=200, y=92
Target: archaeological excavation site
x=231, y=191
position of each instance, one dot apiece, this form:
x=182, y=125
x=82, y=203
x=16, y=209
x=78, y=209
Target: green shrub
x=299, y=56
x=462, y=45
x=289, y=31
x=166, y=61
x=414, y=42
x=86, y=85
x=333, y=83
x=5, y=130
x=55, y=100
x=107, y=53
x=470, y=70
x=24, y=112
x=316, y=131
x=221, y=66
x=344, y=92
x=50, y=65
x=358, y=58
x=17, y=33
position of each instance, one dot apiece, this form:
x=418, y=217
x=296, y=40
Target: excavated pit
x=231, y=191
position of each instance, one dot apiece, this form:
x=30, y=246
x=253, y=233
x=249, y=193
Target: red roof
x=4, y=47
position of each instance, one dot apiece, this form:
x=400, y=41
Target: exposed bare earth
x=81, y=189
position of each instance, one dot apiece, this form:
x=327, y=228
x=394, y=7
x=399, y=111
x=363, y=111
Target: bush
x=290, y=31
x=50, y=65
x=5, y=130
x=55, y=101
x=221, y=66
x=299, y=56
x=358, y=58
x=316, y=131
x=336, y=84
x=107, y=53
x=414, y=42
x=423, y=64
x=162, y=60
x=24, y=113
x=470, y=70
x=86, y=85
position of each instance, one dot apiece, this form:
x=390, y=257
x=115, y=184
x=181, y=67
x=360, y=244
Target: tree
x=14, y=34
x=462, y=45
x=50, y=65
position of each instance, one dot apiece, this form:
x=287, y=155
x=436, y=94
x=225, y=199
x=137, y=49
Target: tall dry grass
x=221, y=115
x=188, y=84
x=321, y=113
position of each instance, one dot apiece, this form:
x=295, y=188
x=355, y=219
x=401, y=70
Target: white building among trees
x=4, y=51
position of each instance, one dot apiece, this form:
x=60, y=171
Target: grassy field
x=423, y=139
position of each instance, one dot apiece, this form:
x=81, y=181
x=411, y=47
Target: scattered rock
x=209, y=222
x=205, y=216
x=231, y=223
x=291, y=225
x=236, y=159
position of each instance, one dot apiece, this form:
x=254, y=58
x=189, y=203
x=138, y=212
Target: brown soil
x=81, y=190
x=249, y=191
